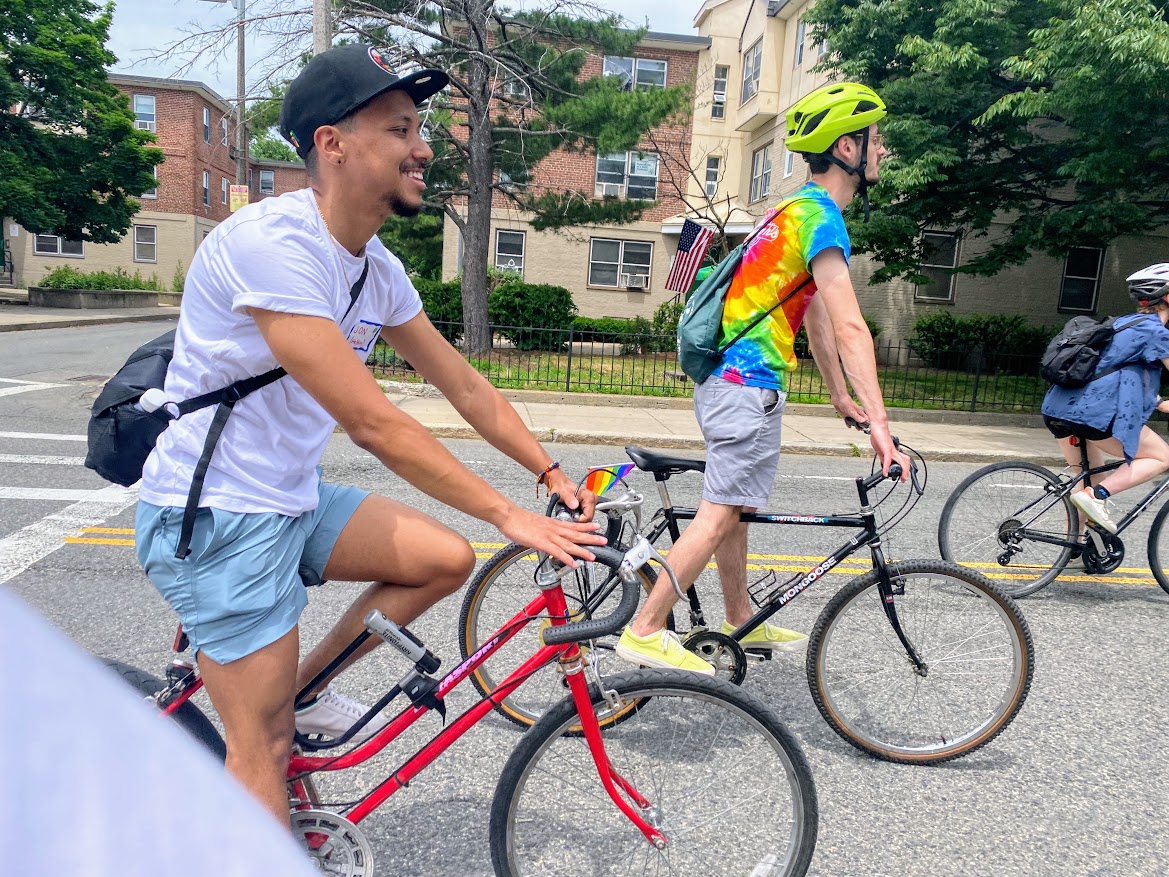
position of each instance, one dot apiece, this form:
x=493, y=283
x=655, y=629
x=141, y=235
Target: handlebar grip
x=575, y=631
x=895, y=470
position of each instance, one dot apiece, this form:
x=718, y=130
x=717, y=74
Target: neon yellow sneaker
x=661, y=649
x=771, y=636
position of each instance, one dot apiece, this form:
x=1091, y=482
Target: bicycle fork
x=620, y=790
x=889, y=605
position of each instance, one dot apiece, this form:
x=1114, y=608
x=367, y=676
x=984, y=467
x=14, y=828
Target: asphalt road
x=1076, y=786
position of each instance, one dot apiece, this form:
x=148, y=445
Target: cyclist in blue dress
x=1110, y=413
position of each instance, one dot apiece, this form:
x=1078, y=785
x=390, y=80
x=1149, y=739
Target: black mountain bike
x=919, y=662
x=1016, y=522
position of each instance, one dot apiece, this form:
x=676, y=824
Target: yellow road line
x=83, y=540
x=124, y=531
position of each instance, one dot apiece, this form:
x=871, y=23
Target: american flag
x=692, y=246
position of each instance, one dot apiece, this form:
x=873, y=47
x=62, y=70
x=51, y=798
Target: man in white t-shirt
x=273, y=285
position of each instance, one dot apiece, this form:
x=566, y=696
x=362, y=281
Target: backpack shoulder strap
x=226, y=399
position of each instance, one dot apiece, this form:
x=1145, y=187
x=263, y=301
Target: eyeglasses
x=877, y=140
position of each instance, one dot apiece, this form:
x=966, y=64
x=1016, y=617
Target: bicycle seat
x=660, y=464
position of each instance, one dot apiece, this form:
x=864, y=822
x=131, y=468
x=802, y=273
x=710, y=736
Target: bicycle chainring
x=727, y=656
x=1097, y=565
x=335, y=844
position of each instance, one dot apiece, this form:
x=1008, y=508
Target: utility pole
x=322, y=25
x=241, y=89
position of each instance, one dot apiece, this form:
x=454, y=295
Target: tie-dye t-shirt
x=774, y=264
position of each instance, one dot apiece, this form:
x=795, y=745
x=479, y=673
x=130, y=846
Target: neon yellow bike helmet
x=818, y=119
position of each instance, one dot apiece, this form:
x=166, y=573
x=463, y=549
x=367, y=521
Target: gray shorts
x=741, y=426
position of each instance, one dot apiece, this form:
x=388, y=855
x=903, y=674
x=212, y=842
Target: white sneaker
x=1095, y=509
x=332, y=714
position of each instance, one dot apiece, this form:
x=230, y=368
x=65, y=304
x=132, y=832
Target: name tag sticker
x=363, y=334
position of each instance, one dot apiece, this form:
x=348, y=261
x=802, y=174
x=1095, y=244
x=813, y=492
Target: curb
x=553, y=436
x=71, y=323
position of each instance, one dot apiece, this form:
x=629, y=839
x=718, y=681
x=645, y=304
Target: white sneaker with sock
x=332, y=714
x=1094, y=508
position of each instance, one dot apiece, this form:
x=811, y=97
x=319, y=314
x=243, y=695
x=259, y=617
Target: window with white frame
x=151, y=193
x=801, y=38
x=822, y=48
x=789, y=163
x=515, y=88
x=145, y=243
x=144, y=112
x=224, y=189
x=718, y=106
x=752, y=65
x=642, y=73
x=631, y=175
x=267, y=182
x=223, y=130
x=206, y=124
x=509, y=250
x=761, y=173
x=619, y=264
x=938, y=260
x=206, y=188
x=1081, y=280
x=52, y=245
x=713, y=166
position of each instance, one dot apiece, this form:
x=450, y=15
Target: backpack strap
x=1113, y=369
x=226, y=398
x=723, y=348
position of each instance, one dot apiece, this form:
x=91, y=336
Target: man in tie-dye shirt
x=794, y=270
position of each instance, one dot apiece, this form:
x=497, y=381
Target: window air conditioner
x=609, y=190
x=635, y=281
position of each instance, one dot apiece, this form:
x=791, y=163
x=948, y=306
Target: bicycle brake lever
x=853, y=423
x=917, y=486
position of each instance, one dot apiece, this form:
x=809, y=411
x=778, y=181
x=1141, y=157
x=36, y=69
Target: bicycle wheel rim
x=976, y=646
x=731, y=793
x=986, y=520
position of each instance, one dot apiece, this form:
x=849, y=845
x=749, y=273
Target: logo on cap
x=376, y=57
x=292, y=139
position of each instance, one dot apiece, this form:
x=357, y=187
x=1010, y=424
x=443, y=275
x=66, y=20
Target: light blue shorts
x=242, y=586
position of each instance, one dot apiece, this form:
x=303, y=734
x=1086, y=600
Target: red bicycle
x=644, y=771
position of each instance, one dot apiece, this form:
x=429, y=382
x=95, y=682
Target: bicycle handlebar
x=627, y=565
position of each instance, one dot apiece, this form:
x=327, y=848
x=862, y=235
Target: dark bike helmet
x=1149, y=286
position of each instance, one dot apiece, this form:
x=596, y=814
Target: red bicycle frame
x=550, y=604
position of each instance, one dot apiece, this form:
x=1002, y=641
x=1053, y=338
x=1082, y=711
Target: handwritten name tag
x=363, y=334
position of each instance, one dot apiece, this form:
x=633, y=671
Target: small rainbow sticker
x=376, y=57
x=292, y=139
x=601, y=479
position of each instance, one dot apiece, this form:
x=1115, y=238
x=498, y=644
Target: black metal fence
x=645, y=363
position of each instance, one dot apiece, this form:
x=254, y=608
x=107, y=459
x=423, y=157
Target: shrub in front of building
x=70, y=278
x=532, y=316
x=1000, y=343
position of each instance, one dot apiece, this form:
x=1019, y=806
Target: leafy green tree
x=268, y=147
x=517, y=94
x=417, y=241
x=1051, y=116
x=71, y=161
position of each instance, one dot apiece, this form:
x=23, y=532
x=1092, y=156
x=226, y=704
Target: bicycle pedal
x=759, y=654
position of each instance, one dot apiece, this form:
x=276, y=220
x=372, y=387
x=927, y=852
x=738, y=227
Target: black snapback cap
x=337, y=82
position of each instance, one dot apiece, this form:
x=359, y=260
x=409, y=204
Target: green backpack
x=700, y=325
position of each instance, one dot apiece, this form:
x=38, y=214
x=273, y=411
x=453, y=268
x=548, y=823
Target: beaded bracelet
x=543, y=477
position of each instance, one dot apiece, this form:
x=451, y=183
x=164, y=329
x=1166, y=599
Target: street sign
x=239, y=197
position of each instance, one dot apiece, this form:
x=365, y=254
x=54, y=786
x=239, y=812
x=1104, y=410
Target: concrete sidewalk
x=807, y=429
x=651, y=422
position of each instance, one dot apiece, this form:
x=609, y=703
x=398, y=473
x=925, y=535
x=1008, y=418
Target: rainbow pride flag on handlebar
x=601, y=479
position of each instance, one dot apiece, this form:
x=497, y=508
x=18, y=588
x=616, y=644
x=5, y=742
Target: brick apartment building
x=196, y=132
x=610, y=270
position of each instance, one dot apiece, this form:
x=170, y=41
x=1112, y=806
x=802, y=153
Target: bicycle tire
x=872, y=695
x=501, y=588
x=1158, y=558
x=982, y=517
x=189, y=716
x=701, y=751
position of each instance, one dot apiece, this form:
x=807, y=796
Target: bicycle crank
x=727, y=656
x=335, y=844
x=1102, y=552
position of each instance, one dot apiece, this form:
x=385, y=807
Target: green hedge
x=71, y=278
x=1006, y=344
x=521, y=310
x=443, y=303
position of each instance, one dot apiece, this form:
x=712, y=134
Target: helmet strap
x=862, y=185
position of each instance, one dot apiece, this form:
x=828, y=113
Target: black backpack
x=1072, y=356
x=121, y=434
